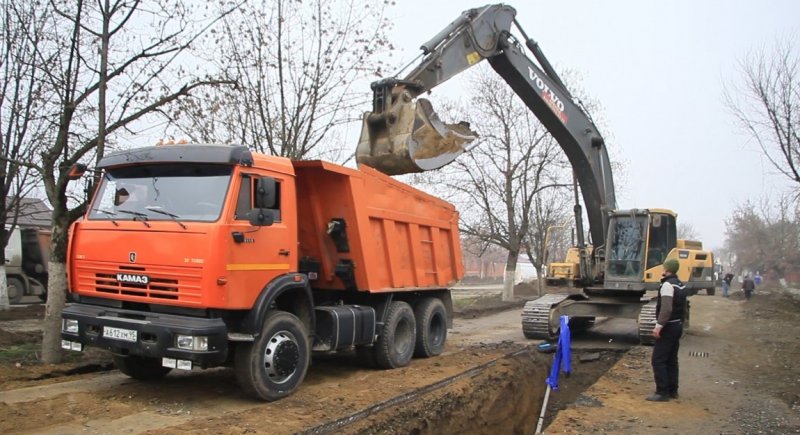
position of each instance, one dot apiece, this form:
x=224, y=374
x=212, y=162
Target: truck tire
x=16, y=289
x=275, y=364
x=141, y=368
x=431, y=327
x=395, y=345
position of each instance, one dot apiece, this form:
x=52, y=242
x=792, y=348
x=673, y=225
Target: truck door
x=259, y=253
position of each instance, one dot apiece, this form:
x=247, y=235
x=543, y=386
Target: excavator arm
x=403, y=136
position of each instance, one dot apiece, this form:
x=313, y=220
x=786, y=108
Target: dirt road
x=739, y=374
x=743, y=379
x=485, y=356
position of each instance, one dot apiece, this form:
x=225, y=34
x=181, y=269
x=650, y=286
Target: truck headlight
x=70, y=326
x=191, y=342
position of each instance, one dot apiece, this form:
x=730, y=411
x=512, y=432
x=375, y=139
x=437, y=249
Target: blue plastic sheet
x=562, y=359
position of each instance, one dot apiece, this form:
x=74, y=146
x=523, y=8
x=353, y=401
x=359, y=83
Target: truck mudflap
x=146, y=334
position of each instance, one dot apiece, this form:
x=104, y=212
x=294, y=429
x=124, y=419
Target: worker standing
x=748, y=285
x=670, y=312
x=726, y=284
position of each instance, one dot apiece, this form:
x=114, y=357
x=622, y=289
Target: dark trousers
x=665, y=359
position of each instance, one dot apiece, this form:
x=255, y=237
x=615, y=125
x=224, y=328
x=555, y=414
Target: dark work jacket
x=678, y=298
x=728, y=278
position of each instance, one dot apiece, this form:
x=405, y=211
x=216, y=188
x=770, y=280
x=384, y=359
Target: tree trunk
x=539, y=280
x=511, y=272
x=4, y=303
x=56, y=290
x=56, y=299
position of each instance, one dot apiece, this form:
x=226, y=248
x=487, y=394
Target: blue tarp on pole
x=562, y=359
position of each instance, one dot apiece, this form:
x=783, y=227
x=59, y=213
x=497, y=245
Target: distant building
x=33, y=213
x=525, y=272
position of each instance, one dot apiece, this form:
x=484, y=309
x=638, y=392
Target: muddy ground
x=739, y=374
x=490, y=380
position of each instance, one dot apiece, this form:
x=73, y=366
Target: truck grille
x=164, y=282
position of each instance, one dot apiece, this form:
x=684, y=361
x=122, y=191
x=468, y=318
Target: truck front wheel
x=141, y=368
x=275, y=364
x=431, y=327
x=15, y=289
x=395, y=345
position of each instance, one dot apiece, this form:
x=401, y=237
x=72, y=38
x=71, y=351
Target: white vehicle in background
x=26, y=263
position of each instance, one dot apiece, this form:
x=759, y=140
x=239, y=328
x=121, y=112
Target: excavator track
x=647, y=321
x=538, y=321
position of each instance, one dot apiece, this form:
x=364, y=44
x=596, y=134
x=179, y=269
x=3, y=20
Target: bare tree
x=95, y=53
x=297, y=65
x=687, y=231
x=21, y=115
x=496, y=184
x=551, y=208
x=767, y=105
x=765, y=236
x=483, y=256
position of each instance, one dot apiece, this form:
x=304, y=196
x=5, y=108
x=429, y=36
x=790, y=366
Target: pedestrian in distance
x=748, y=285
x=726, y=284
x=671, y=308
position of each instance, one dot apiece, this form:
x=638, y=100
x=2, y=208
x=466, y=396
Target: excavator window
x=662, y=239
x=627, y=246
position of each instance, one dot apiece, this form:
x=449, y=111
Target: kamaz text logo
x=550, y=97
x=133, y=279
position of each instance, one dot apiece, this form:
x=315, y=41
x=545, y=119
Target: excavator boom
x=402, y=134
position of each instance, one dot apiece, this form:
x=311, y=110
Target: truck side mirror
x=265, y=193
x=76, y=171
x=261, y=217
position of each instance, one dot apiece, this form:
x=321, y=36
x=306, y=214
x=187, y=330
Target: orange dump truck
x=206, y=255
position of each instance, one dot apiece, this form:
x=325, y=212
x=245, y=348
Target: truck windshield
x=627, y=246
x=183, y=192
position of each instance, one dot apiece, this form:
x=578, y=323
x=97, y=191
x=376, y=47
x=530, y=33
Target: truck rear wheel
x=16, y=289
x=431, y=327
x=140, y=367
x=395, y=345
x=275, y=364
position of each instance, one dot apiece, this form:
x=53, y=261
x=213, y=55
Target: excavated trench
x=501, y=396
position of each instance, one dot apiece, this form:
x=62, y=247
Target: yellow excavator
x=567, y=272
x=402, y=134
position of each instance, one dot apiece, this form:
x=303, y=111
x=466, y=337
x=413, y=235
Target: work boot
x=673, y=395
x=657, y=398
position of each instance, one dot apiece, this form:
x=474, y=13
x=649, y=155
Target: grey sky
x=658, y=70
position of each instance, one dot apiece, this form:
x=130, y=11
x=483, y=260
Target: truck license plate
x=119, y=333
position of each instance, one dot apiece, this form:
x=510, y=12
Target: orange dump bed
x=395, y=237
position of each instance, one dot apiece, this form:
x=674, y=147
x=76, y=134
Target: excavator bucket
x=410, y=138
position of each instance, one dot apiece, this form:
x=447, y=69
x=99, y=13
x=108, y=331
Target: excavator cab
x=403, y=135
